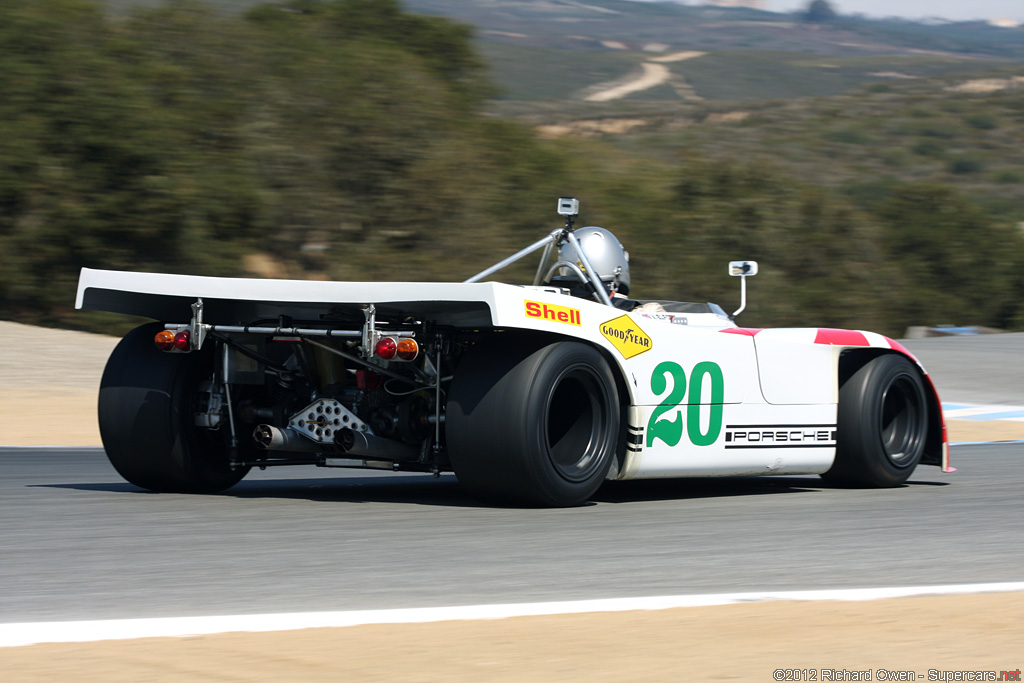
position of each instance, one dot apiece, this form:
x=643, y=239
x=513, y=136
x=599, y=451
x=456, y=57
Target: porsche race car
x=531, y=394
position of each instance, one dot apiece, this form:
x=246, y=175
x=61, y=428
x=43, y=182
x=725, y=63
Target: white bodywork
x=707, y=398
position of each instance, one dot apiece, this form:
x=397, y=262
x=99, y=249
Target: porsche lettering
x=770, y=436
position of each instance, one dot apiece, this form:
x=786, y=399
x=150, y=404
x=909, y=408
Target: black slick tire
x=146, y=419
x=882, y=424
x=535, y=428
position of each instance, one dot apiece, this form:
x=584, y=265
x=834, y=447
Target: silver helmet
x=606, y=255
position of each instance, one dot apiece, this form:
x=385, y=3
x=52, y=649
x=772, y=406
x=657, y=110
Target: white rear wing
x=168, y=297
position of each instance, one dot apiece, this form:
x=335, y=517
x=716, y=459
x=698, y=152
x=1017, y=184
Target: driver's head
x=606, y=255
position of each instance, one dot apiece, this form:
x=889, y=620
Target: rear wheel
x=146, y=420
x=534, y=428
x=882, y=424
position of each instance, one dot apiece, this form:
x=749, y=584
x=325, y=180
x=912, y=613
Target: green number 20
x=671, y=431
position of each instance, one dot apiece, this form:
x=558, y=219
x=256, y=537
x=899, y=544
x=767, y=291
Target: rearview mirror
x=742, y=268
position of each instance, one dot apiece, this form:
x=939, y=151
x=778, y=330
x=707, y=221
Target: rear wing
x=168, y=297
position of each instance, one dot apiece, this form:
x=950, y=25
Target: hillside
x=880, y=186
x=878, y=114
x=560, y=49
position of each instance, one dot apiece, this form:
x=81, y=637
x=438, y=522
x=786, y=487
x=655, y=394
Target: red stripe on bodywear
x=896, y=346
x=828, y=335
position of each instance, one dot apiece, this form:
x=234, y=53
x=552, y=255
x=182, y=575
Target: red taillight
x=408, y=349
x=164, y=340
x=183, y=340
x=386, y=348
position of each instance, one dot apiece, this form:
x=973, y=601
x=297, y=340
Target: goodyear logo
x=626, y=336
x=558, y=314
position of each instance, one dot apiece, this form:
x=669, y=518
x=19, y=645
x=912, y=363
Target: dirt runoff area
x=48, y=386
x=817, y=641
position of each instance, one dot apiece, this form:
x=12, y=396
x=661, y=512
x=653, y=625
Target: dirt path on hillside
x=677, y=56
x=654, y=74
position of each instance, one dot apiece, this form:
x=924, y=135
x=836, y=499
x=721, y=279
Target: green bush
x=965, y=164
x=955, y=263
x=1009, y=177
x=848, y=136
x=929, y=148
x=983, y=121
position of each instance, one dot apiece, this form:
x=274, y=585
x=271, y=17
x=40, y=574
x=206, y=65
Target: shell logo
x=558, y=314
x=626, y=336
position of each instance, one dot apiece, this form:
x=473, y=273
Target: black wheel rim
x=902, y=421
x=576, y=420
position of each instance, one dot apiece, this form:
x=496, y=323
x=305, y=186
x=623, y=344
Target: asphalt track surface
x=76, y=542
x=986, y=369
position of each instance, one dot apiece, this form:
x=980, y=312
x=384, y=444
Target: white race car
x=532, y=394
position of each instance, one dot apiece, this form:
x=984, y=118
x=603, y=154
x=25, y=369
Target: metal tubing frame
x=289, y=331
x=356, y=359
x=547, y=243
x=565, y=264
x=543, y=262
x=227, y=396
x=551, y=239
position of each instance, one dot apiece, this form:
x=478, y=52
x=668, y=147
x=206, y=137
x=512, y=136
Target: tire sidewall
x=497, y=418
x=554, y=365
x=145, y=414
x=861, y=453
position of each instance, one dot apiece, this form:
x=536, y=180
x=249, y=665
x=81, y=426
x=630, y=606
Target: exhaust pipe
x=270, y=438
x=368, y=445
x=353, y=443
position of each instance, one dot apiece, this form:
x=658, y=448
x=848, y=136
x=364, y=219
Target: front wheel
x=534, y=428
x=146, y=408
x=882, y=424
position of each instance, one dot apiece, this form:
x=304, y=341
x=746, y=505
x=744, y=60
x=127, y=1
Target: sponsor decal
x=673, y=318
x=553, y=312
x=780, y=436
x=626, y=336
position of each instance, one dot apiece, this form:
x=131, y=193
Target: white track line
x=13, y=635
x=984, y=413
